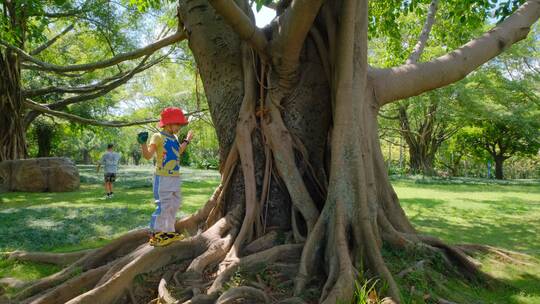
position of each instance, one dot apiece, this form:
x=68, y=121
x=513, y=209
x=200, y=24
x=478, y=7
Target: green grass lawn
x=504, y=215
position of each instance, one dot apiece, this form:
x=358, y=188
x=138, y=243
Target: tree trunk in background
x=136, y=158
x=44, y=134
x=499, y=160
x=421, y=161
x=87, y=160
x=12, y=137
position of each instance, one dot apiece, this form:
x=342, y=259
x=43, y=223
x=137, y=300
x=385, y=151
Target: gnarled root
x=91, y=259
x=505, y=255
x=61, y=259
x=247, y=293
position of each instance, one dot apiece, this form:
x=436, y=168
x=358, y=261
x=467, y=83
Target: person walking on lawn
x=167, y=149
x=109, y=161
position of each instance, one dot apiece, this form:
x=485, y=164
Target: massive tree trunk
x=304, y=183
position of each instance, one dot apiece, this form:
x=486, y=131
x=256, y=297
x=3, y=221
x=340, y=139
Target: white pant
x=167, y=196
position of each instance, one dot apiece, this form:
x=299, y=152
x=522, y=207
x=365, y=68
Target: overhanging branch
x=78, y=119
x=147, y=50
x=295, y=23
x=105, y=89
x=413, y=79
x=113, y=81
x=118, y=124
x=424, y=35
x=242, y=25
x=50, y=42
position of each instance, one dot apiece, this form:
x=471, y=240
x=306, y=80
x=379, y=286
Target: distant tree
x=69, y=74
x=504, y=117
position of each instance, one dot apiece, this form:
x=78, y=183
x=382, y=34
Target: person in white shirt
x=109, y=161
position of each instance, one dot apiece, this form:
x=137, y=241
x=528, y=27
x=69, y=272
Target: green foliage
x=366, y=292
x=504, y=116
x=260, y=3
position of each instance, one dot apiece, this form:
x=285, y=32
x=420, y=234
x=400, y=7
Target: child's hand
x=142, y=137
x=189, y=135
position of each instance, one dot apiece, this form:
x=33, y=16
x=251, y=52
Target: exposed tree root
x=505, y=255
x=91, y=260
x=456, y=255
x=266, y=241
x=61, y=259
x=286, y=252
x=71, y=288
x=250, y=294
x=164, y=296
x=417, y=266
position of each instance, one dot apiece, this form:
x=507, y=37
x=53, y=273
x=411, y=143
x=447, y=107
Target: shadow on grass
x=507, y=223
x=469, y=185
x=524, y=288
x=37, y=229
x=515, y=284
x=47, y=221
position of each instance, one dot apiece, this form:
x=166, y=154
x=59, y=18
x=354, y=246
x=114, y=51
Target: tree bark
x=44, y=133
x=86, y=159
x=12, y=137
x=420, y=161
x=499, y=160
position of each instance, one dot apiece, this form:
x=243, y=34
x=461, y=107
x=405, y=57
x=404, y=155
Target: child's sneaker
x=162, y=239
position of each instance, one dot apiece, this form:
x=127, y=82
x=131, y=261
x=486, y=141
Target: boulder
x=46, y=174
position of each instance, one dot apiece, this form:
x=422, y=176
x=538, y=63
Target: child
x=109, y=160
x=167, y=149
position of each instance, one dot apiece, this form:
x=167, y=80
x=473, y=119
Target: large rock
x=54, y=174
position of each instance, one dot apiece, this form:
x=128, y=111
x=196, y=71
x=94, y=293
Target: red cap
x=172, y=115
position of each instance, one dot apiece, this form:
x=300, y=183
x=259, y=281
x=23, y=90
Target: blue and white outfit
x=166, y=182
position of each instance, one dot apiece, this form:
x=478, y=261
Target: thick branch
x=43, y=109
x=424, y=35
x=145, y=51
x=50, y=42
x=106, y=88
x=121, y=78
x=241, y=24
x=116, y=124
x=294, y=23
x=413, y=79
